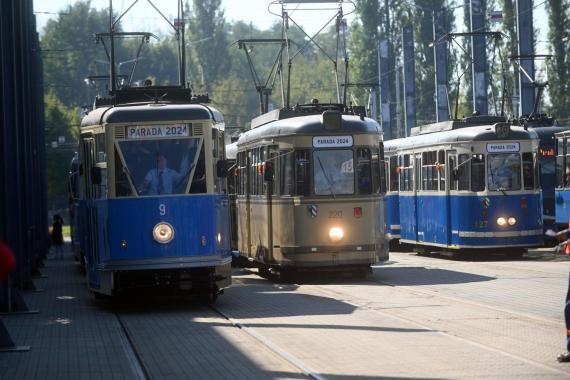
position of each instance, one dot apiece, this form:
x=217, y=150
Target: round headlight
x=501, y=221
x=512, y=221
x=336, y=234
x=163, y=233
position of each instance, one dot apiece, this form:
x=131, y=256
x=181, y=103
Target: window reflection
x=158, y=167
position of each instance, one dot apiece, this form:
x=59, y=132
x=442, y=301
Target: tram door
x=90, y=217
x=417, y=187
x=451, y=184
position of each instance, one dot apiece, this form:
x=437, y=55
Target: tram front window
x=334, y=172
x=504, y=171
x=157, y=167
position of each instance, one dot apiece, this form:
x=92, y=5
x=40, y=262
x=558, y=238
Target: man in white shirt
x=160, y=180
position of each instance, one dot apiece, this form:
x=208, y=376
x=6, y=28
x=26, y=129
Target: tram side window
x=452, y=173
x=122, y=186
x=406, y=173
x=261, y=185
x=287, y=180
x=239, y=173
x=463, y=173
x=440, y=167
x=429, y=176
x=477, y=172
x=394, y=173
x=101, y=157
x=528, y=171
x=378, y=166
x=273, y=157
x=364, y=170
x=560, y=166
x=302, y=173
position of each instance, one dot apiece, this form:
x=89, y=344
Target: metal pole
x=409, y=78
x=440, y=62
x=479, y=57
x=384, y=77
x=526, y=48
x=112, y=44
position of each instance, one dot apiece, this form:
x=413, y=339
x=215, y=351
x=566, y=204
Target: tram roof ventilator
x=471, y=121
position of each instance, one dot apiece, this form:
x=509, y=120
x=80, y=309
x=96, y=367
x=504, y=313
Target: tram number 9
x=162, y=209
x=335, y=214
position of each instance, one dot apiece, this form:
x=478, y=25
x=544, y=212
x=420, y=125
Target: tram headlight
x=512, y=221
x=336, y=234
x=501, y=221
x=163, y=233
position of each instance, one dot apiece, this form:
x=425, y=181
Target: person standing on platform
x=57, y=235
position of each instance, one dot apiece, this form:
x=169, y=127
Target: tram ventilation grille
x=197, y=130
x=120, y=133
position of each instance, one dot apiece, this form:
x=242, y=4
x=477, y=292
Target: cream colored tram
x=310, y=189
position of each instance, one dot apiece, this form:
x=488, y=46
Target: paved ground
x=414, y=317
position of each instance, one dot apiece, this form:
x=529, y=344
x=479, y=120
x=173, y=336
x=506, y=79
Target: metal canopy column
x=384, y=76
x=409, y=78
x=440, y=62
x=526, y=50
x=479, y=56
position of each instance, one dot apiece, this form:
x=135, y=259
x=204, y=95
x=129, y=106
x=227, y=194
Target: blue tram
x=547, y=161
x=155, y=208
x=562, y=190
x=74, y=194
x=465, y=185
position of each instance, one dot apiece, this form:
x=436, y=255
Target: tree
x=363, y=44
x=207, y=21
x=559, y=66
x=60, y=122
x=70, y=53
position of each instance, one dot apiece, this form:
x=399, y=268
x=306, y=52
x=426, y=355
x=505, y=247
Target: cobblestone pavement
x=414, y=317
x=425, y=317
x=75, y=337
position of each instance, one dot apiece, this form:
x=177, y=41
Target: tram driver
x=161, y=179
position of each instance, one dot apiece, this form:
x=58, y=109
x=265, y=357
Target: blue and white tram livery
x=155, y=207
x=392, y=202
x=468, y=185
x=562, y=188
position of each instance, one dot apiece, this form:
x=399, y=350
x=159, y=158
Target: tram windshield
x=504, y=171
x=155, y=167
x=333, y=172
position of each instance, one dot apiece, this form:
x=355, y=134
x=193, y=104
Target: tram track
x=135, y=361
x=290, y=358
x=347, y=298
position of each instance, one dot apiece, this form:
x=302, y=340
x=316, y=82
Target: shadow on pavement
x=407, y=276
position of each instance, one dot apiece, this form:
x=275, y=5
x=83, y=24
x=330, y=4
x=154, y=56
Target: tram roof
x=150, y=112
x=466, y=134
x=548, y=132
x=310, y=125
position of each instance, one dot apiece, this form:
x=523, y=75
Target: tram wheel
x=209, y=297
x=263, y=271
x=516, y=254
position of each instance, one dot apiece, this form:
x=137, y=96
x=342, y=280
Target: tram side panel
x=432, y=215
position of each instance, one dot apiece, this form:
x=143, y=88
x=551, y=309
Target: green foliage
x=70, y=54
x=559, y=66
x=60, y=121
x=212, y=57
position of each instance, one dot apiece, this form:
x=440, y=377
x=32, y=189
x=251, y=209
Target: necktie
x=160, y=183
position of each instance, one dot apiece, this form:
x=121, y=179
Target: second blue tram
x=562, y=190
x=155, y=204
x=465, y=185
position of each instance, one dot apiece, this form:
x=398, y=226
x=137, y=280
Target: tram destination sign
x=503, y=147
x=332, y=141
x=157, y=131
